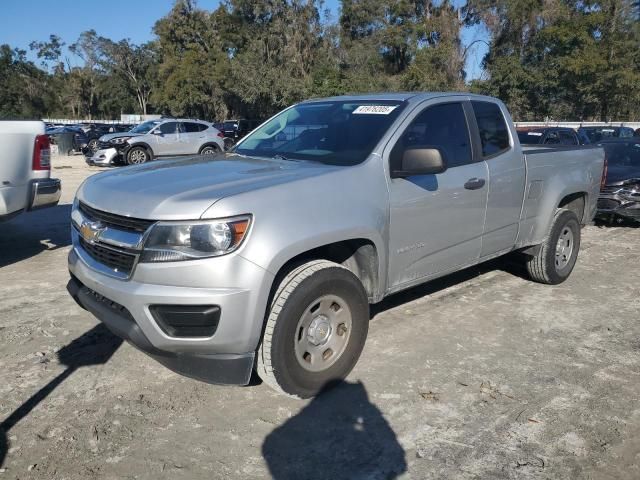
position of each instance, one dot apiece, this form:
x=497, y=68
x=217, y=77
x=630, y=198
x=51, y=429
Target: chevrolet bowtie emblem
x=91, y=231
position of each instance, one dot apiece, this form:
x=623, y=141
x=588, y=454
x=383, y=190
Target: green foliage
x=563, y=59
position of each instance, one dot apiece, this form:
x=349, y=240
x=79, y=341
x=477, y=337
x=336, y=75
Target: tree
x=135, y=64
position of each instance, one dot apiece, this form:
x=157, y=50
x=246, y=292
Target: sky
x=23, y=21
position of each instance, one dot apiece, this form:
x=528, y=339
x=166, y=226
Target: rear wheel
x=210, y=150
x=316, y=329
x=557, y=255
x=138, y=155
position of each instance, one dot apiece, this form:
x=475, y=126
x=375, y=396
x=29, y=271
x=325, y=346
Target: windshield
x=145, y=127
x=336, y=133
x=529, y=137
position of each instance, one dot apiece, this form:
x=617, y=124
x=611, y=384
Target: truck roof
x=397, y=96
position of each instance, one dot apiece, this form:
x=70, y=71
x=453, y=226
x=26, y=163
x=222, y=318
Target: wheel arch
x=209, y=144
x=576, y=202
x=144, y=145
x=359, y=255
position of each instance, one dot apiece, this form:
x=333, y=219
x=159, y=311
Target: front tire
x=316, y=329
x=137, y=155
x=93, y=145
x=557, y=255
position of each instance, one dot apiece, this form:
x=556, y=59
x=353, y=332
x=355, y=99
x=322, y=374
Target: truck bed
x=552, y=171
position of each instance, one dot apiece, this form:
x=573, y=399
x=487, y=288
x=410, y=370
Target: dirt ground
x=480, y=375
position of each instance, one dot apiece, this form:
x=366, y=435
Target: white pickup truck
x=25, y=169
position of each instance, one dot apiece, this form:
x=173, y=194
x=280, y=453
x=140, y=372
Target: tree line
x=558, y=59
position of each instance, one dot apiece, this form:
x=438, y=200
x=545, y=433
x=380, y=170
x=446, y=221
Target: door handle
x=474, y=183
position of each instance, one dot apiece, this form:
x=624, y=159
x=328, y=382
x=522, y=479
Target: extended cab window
x=494, y=134
x=442, y=126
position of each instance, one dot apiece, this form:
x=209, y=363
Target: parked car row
x=569, y=136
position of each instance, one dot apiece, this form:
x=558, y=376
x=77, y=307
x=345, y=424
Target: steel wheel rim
x=138, y=156
x=322, y=333
x=564, y=248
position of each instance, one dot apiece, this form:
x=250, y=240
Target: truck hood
x=184, y=188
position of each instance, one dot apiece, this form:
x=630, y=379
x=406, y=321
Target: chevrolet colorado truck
x=267, y=258
x=25, y=168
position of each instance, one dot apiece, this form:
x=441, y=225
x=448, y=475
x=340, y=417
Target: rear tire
x=557, y=255
x=210, y=150
x=137, y=155
x=316, y=329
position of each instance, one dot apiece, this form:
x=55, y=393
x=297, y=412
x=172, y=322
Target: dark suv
x=234, y=130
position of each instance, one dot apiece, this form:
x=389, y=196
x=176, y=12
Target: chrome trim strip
x=112, y=236
x=44, y=193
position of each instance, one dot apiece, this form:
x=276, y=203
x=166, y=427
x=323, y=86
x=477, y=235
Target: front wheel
x=557, y=255
x=137, y=155
x=93, y=145
x=316, y=329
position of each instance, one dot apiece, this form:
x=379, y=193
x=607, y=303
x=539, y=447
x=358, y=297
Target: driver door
x=437, y=220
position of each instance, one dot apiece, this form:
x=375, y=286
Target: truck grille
x=116, y=260
x=113, y=220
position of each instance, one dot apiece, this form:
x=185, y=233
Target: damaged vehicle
x=620, y=195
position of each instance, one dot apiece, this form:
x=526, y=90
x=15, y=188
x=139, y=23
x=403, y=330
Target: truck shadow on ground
x=339, y=435
x=94, y=347
x=33, y=232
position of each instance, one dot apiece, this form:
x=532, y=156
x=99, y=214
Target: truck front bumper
x=126, y=308
x=45, y=192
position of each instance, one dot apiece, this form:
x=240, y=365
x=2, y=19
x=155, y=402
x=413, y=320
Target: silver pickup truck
x=267, y=258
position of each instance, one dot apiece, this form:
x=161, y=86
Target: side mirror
x=156, y=132
x=420, y=161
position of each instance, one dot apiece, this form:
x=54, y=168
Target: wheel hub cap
x=319, y=331
x=322, y=333
x=564, y=248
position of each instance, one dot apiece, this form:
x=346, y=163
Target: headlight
x=174, y=241
x=120, y=140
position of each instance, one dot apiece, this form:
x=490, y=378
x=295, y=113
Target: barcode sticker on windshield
x=375, y=109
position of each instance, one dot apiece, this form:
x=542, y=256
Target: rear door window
x=193, y=127
x=494, y=133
